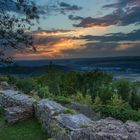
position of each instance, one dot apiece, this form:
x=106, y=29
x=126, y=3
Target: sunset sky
x=85, y=28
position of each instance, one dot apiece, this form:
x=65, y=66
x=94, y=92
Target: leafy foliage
x=14, y=26
x=121, y=113
x=116, y=98
x=26, y=85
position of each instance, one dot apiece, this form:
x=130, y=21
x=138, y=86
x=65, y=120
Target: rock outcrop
x=17, y=106
x=73, y=121
x=17, y=114
x=109, y=129
x=61, y=123
x=62, y=126
x=56, y=123
x=45, y=109
x=4, y=85
x=5, y=96
x=84, y=109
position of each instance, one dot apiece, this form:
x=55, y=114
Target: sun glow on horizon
x=54, y=49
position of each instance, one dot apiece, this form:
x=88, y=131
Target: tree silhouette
x=16, y=19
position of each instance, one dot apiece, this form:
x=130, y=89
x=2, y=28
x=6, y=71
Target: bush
x=43, y=92
x=26, y=85
x=97, y=102
x=116, y=100
x=69, y=111
x=120, y=113
x=83, y=99
x=62, y=100
x=123, y=87
x=12, y=79
x=3, y=78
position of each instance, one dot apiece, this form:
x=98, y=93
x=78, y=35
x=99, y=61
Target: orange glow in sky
x=54, y=49
x=61, y=41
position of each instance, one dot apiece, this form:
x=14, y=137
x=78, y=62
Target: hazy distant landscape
x=119, y=67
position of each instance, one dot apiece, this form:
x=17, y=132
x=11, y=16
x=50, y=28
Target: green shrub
x=62, y=99
x=80, y=98
x=26, y=85
x=97, y=101
x=123, y=87
x=116, y=100
x=35, y=95
x=43, y=92
x=69, y=111
x=3, y=78
x=120, y=113
x=12, y=79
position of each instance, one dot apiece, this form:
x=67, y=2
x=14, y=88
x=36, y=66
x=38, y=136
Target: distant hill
x=115, y=65
x=26, y=70
x=77, y=61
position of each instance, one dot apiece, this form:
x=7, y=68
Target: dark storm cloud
x=115, y=37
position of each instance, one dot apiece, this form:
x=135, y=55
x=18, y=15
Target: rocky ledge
x=61, y=123
x=17, y=106
x=109, y=129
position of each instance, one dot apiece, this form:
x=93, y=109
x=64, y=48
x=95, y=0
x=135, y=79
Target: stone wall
x=56, y=122
x=62, y=126
x=17, y=106
x=61, y=123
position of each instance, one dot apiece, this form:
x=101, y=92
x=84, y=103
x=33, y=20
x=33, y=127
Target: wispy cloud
x=115, y=37
x=61, y=7
x=123, y=3
x=126, y=13
x=68, y=7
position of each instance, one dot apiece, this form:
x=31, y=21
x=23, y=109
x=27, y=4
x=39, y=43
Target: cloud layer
x=115, y=33
x=127, y=12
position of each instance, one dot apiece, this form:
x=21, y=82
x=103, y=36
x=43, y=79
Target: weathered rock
x=84, y=109
x=107, y=129
x=16, y=114
x=57, y=124
x=5, y=96
x=22, y=99
x=133, y=129
x=4, y=84
x=73, y=121
x=8, y=92
x=9, y=98
x=62, y=126
x=45, y=109
x=17, y=106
